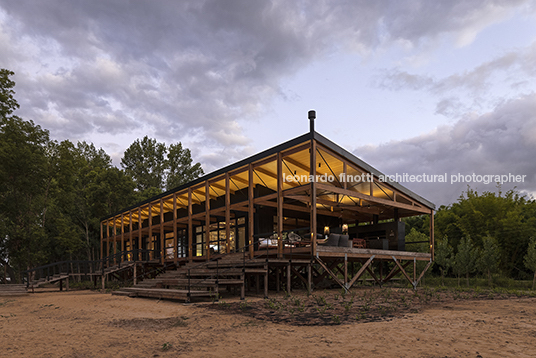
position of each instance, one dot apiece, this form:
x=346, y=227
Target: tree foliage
x=156, y=167
x=465, y=259
x=443, y=256
x=510, y=218
x=53, y=194
x=530, y=259
x=488, y=257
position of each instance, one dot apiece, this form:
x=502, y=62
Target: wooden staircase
x=200, y=279
x=13, y=290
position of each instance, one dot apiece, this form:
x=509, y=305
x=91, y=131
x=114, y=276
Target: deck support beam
x=360, y=272
x=331, y=273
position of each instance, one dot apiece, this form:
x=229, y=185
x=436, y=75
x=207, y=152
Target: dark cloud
x=497, y=143
x=193, y=70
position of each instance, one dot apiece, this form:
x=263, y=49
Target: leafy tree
x=154, y=167
x=443, y=257
x=488, y=257
x=530, y=259
x=24, y=183
x=465, y=259
x=8, y=103
x=179, y=167
x=417, y=241
x=508, y=217
x=144, y=161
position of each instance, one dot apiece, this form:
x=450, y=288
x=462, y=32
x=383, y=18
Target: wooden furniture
x=360, y=243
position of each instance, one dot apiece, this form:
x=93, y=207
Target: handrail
x=82, y=266
x=244, y=249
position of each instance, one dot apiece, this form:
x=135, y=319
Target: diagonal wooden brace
x=331, y=273
x=360, y=272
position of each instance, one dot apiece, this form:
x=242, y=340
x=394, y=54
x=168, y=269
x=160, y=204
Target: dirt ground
x=92, y=324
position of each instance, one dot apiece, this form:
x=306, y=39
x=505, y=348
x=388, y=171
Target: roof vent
x=312, y=116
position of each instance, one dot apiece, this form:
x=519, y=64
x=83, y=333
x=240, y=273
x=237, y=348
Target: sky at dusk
x=417, y=87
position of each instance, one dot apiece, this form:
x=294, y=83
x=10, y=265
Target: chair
x=344, y=241
x=333, y=240
x=360, y=243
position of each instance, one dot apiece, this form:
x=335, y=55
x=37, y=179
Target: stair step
x=204, y=283
x=167, y=293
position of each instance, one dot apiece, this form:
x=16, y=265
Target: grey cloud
x=500, y=142
x=195, y=69
x=513, y=67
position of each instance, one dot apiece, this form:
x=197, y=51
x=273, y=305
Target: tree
x=530, y=259
x=154, y=167
x=443, y=257
x=8, y=104
x=24, y=182
x=144, y=162
x=508, y=217
x=465, y=259
x=179, y=167
x=488, y=257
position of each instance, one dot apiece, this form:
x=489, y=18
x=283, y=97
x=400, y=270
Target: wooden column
x=313, y=196
x=279, y=204
x=228, y=214
x=162, y=233
x=175, y=242
x=130, y=235
x=251, y=210
x=101, y=242
x=150, y=227
x=207, y=219
x=121, y=259
x=140, y=256
x=115, y=241
x=107, y=238
x=432, y=240
x=190, y=228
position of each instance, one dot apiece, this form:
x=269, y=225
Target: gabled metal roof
x=281, y=147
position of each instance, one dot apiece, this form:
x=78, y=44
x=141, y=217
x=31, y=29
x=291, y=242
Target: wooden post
x=135, y=274
x=175, y=242
x=309, y=278
x=140, y=241
x=414, y=270
x=162, y=234
x=115, y=241
x=190, y=229
x=228, y=215
x=151, y=229
x=279, y=204
x=277, y=278
x=130, y=239
x=432, y=240
x=289, y=277
x=122, y=236
x=207, y=219
x=101, y=243
x=345, y=269
x=313, y=196
x=251, y=209
x=266, y=281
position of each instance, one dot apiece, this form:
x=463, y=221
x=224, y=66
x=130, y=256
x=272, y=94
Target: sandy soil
x=91, y=324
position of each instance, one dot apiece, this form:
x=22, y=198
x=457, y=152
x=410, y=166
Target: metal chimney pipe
x=312, y=116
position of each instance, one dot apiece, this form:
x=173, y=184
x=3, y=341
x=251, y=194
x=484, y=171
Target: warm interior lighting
x=345, y=229
x=326, y=230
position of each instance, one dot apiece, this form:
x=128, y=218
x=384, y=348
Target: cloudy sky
x=410, y=86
